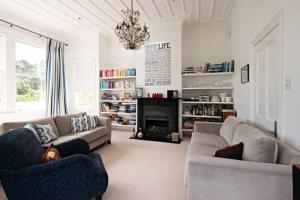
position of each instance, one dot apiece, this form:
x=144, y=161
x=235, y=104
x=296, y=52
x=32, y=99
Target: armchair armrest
x=76, y=146
x=105, y=121
x=207, y=127
x=218, y=178
x=72, y=177
x=58, y=166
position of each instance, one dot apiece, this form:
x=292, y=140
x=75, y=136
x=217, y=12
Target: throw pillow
x=51, y=154
x=80, y=124
x=44, y=133
x=94, y=121
x=231, y=152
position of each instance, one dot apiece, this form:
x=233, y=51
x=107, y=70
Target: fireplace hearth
x=158, y=118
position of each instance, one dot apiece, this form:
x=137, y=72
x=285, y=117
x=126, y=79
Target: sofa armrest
x=218, y=178
x=105, y=121
x=207, y=127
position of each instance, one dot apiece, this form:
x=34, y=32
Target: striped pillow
x=44, y=133
x=92, y=120
x=79, y=124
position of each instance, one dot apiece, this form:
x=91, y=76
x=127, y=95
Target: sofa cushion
x=93, y=134
x=258, y=147
x=63, y=123
x=7, y=126
x=195, y=150
x=207, y=139
x=228, y=128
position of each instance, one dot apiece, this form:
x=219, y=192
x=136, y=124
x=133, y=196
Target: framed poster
x=158, y=64
x=245, y=74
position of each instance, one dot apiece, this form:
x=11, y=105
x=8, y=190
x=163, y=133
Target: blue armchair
x=79, y=175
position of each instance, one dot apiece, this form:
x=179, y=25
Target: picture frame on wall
x=245, y=74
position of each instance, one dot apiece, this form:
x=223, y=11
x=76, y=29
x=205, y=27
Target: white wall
x=163, y=32
x=166, y=31
x=208, y=42
x=82, y=73
x=292, y=69
x=248, y=18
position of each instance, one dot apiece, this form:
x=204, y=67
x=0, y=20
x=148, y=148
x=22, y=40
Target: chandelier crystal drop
x=130, y=32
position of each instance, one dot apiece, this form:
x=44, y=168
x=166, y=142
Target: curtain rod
x=28, y=30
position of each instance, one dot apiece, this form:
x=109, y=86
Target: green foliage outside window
x=29, y=82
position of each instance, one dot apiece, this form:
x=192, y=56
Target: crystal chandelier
x=130, y=32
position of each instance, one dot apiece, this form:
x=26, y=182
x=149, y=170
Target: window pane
x=30, y=77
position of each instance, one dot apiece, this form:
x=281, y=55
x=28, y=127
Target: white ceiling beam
x=63, y=15
x=112, y=7
x=92, y=14
x=99, y=26
x=124, y=4
x=25, y=13
x=143, y=10
x=45, y=15
x=156, y=8
x=169, y=7
x=103, y=11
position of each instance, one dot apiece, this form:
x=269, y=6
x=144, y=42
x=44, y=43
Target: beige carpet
x=143, y=170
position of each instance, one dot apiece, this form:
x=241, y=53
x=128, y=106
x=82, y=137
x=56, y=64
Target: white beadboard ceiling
x=71, y=16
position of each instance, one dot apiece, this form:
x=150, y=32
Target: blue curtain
x=56, y=100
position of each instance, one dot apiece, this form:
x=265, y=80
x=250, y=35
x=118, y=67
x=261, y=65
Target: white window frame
x=33, y=43
x=9, y=102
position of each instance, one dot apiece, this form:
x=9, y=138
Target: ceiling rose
x=130, y=32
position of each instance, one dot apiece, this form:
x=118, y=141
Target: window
x=2, y=64
x=30, y=77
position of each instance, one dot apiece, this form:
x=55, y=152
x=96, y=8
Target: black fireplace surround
x=157, y=118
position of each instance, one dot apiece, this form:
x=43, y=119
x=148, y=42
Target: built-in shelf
x=199, y=102
x=187, y=130
x=117, y=77
x=208, y=74
x=118, y=113
x=208, y=88
x=118, y=89
x=118, y=92
x=121, y=125
x=118, y=101
x=203, y=116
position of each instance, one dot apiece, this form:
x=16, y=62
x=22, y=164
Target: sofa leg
x=109, y=142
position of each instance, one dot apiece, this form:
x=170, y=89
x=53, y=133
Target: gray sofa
x=265, y=173
x=62, y=128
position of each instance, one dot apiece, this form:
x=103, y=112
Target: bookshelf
x=201, y=99
x=117, y=97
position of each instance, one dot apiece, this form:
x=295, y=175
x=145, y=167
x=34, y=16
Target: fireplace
x=158, y=118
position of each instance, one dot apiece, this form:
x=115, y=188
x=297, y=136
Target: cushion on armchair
x=51, y=154
x=19, y=148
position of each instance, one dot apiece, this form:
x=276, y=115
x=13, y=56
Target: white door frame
x=276, y=22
